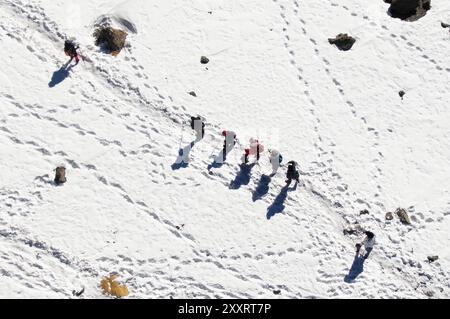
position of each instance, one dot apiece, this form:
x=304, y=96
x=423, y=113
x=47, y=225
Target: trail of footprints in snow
x=142, y=98
x=322, y=276
x=420, y=216
x=45, y=180
x=342, y=187
x=108, y=78
x=408, y=42
x=124, y=88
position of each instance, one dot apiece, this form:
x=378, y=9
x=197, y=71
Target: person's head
x=369, y=234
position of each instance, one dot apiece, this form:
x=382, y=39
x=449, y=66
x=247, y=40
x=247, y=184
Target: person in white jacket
x=368, y=243
x=275, y=159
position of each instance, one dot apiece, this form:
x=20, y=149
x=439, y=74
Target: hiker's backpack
x=70, y=47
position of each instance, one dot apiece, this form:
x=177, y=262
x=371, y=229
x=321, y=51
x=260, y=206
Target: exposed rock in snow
x=410, y=10
x=112, y=40
x=204, y=60
x=432, y=258
x=403, y=215
x=60, y=175
x=343, y=41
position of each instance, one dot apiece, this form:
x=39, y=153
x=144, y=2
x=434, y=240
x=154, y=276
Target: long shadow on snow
x=357, y=267
x=60, y=75
x=278, y=204
x=219, y=159
x=182, y=160
x=243, y=176
x=262, y=188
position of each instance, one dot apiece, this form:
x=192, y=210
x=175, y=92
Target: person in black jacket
x=292, y=173
x=70, y=48
x=198, y=125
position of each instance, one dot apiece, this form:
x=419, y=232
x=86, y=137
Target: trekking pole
x=182, y=133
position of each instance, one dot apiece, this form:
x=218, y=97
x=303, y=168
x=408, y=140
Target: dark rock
x=409, y=10
x=445, y=25
x=60, y=176
x=277, y=292
x=78, y=293
x=343, y=41
x=403, y=215
x=389, y=216
x=204, y=60
x=432, y=258
x=402, y=94
x=193, y=94
x=112, y=40
x=364, y=212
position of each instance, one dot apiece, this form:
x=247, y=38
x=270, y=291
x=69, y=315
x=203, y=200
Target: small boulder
x=389, y=216
x=112, y=40
x=445, y=25
x=432, y=258
x=60, y=176
x=343, y=41
x=277, y=292
x=401, y=94
x=204, y=60
x=403, y=215
x=409, y=10
x=193, y=94
x=364, y=212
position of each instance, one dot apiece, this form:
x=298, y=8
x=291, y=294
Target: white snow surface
x=171, y=231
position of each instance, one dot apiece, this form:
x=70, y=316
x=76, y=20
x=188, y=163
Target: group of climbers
x=255, y=149
x=230, y=139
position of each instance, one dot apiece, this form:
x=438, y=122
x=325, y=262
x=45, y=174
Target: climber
x=255, y=149
x=368, y=243
x=292, y=173
x=229, y=142
x=275, y=159
x=198, y=125
x=60, y=175
x=70, y=48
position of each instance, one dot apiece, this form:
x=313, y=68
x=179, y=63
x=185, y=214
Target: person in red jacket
x=255, y=149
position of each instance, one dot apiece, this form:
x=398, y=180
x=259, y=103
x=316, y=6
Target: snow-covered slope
x=194, y=231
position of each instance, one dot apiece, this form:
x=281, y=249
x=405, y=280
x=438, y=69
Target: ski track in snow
x=143, y=111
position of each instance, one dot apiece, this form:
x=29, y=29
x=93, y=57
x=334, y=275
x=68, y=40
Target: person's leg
x=368, y=251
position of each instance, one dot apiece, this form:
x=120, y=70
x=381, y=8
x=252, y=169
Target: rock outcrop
x=409, y=10
x=343, y=41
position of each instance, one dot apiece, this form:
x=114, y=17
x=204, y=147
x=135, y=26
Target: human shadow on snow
x=262, y=188
x=219, y=159
x=182, y=160
x=357, y=266
x=60, y=75
x=278, y=204
x=243, y=176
